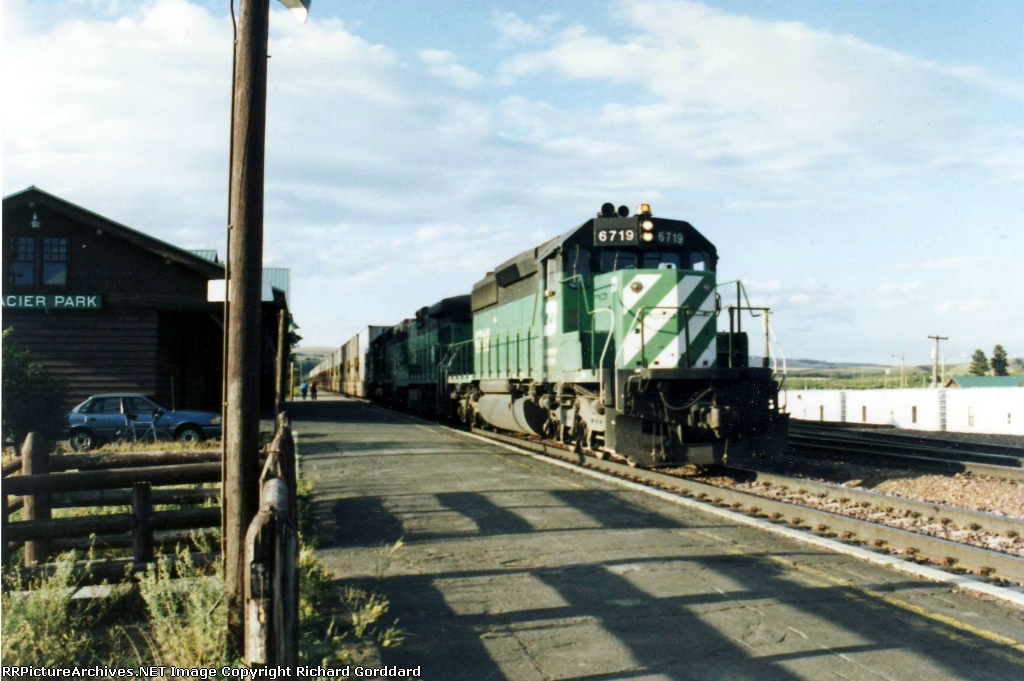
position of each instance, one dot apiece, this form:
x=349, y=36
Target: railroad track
x=912, y=546
x=948, y=456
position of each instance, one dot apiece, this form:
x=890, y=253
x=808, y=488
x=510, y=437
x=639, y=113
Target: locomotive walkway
x=513, y=569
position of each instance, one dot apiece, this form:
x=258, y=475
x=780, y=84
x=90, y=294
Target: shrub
x=32, y=399
x=41, y=627
x=187, y=615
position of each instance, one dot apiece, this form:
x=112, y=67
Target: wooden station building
x=109, y=309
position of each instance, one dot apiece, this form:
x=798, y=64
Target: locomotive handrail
x=607, y=342
x=767, y=343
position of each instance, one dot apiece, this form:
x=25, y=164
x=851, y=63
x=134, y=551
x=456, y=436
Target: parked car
x=110, y=417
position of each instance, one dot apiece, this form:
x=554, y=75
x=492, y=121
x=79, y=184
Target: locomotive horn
x=607, y=210
x=623, y=211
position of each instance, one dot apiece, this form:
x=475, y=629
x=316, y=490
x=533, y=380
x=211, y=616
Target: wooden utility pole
x=282, y=358
x=242, y=424
x=935, y=361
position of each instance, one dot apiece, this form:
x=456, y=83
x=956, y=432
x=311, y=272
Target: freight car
x=605, y=338
x=346, y=369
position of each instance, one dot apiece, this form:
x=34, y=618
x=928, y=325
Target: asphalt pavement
x=514, y=569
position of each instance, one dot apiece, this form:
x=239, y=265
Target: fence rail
x=84, y=481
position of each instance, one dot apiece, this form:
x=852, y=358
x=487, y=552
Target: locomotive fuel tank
x=519, y=414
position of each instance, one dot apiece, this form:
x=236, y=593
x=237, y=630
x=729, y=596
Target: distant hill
x=313, y=352
x=820, y=364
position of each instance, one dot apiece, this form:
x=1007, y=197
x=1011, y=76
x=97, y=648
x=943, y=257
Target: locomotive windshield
x=611, y=261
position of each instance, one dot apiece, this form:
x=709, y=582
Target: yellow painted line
x=828, y=579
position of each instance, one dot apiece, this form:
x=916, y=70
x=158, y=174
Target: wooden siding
x=107, y=351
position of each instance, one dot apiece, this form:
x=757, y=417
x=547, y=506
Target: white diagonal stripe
x=669, y=357
x=631, y=297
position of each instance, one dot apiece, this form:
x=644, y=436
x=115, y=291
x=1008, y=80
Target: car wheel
x=190, y=435
x=82, y=440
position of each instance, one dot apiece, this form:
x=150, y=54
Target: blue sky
x=858, y=164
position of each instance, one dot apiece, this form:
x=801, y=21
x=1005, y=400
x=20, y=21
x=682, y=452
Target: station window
x=32, y=266
x=23, y=268
x=55, y=261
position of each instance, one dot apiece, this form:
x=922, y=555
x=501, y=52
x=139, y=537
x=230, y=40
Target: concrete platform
x=513, y=569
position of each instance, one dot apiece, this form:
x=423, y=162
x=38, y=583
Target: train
x=605, y=339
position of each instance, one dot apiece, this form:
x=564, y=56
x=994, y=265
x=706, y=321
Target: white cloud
x=903, y=288
x=781, y=100
x=444, y=65
x=514, y=31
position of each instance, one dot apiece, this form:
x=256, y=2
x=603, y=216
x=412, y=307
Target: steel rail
x=952, y=450
x=961, y=517
x=914, y=546
x=904, y=438
x=856, y=444
x=859, y=455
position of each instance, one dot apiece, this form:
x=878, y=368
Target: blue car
x=127, y=416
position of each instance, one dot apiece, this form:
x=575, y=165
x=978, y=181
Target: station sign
x=52, y=302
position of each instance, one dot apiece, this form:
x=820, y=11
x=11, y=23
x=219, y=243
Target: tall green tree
x=31, y=400
x=979, y=363
x=999, y=361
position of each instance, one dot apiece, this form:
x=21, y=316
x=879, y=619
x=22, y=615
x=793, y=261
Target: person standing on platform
x=304, y=388
x=312, y=390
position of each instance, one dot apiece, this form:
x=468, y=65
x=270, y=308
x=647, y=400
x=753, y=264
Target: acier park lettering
x=69, y=302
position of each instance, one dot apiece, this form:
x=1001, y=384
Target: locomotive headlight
x=647, y=225
x=648, y=236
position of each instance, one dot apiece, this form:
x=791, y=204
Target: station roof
x=985, y=382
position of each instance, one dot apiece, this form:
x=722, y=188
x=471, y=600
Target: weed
x=186, y=614
x=42, y=627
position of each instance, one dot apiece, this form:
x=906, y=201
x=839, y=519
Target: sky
x=858, y=164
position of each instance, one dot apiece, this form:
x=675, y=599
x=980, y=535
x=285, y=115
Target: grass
x=336, y=625
x=41, y=627
x=180, y=615
x=856, y=379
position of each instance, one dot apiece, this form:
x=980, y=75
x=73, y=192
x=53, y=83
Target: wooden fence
x=272, y=561
x=38, y=482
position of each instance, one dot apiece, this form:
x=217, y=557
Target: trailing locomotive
x=605, y=338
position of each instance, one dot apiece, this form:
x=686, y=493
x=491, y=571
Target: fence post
x=5, y=547
x=35, y=460
x=142, y=509
x=271, y=581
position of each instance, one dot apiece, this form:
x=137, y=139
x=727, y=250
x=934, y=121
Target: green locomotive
x=605, y=338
